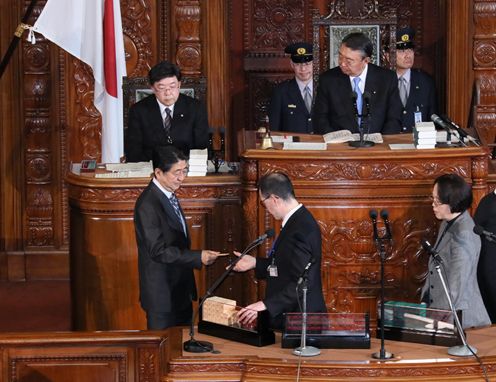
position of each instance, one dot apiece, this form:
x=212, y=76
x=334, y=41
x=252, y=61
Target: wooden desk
x=340, y=186
x=104, y=260
x=238, y=362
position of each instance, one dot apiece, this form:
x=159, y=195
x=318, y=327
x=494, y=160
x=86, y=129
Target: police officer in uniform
x=291, y=102
x=416, y=88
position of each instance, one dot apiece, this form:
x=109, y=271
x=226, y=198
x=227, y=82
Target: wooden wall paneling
x=11, y=155
x=217, y=71
x=459, y=73
x=98, y=357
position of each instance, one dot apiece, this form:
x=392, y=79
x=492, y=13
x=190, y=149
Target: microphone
x=305, y=271
x=268, y=234
x=431, y=251
x=441, y=123
x=195, y=346
x=489, y=236
x=385, y=218
x=373, y=216
x=463, y=134
x=354, y=97
x=366, y=100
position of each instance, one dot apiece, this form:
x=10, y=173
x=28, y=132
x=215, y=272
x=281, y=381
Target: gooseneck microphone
x=489, y=236
x=431, y=251
x=441, y=123
x=195, y=346
x=373, y=216
x=305, y=270
x=385, y=218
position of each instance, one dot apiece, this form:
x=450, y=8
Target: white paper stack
x=198, y=162
x=424, y=135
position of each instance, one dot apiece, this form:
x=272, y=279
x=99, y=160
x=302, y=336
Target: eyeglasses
x=262, y=201
x=435, y=201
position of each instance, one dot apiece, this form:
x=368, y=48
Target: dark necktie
x=359, y=101
x=168, y=124
x=177, y=210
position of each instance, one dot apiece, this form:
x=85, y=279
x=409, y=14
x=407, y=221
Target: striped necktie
x=168, y=124
x=307, y=98
x=177, y=210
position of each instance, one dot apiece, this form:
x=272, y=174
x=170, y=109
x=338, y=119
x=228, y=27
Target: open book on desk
x=341, y=136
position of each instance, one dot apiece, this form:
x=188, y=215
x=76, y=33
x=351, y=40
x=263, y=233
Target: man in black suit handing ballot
x=355, y=76
x=165, y=260
x=297, y=246
x=166, y=117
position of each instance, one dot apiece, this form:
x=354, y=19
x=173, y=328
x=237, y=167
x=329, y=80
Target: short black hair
x=164, y=157
x=163, y=69
x=276, y=183
x=454, y=191
x=359, y=41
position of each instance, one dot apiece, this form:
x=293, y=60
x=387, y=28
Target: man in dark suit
x=291, y=101
x=298, y=244
x=166, y=117
x=354, y=81
x=165, y=260
x=416, y=88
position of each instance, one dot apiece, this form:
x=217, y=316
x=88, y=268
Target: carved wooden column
x=188, y=47
x=484, y=57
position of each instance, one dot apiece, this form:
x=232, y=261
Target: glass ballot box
x=327, y=330
x=410, y=322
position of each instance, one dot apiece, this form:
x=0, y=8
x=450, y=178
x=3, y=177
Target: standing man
x=298, y=244
x=166, y=117
x=357, y=82
x=416, y=88
x=291, y=102
x=165, y=260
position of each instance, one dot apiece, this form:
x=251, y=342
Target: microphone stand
x=362, y=142
x=303, y=350
x=382, y=353
x=464, y=350
x=193, y=345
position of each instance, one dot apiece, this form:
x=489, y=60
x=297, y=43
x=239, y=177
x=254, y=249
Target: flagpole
x=17, y=36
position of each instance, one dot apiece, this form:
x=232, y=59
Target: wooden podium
x=339, y=186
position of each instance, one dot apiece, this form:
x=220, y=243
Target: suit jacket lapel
x=296, y=97
x=180, y=110
x=169, y=210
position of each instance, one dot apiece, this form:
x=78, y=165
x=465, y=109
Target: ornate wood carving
x=149, y=364
x=137, y=21
x=189, y=50
x=39, y=218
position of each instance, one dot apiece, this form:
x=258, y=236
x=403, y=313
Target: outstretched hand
x=250, y=313
x=246, y=263
x=208, y=257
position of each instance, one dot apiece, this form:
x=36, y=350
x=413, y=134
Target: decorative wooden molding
x=188, y=49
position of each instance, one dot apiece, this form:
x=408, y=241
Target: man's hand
x=208, y=257
x=246, y=263
x=249, y=313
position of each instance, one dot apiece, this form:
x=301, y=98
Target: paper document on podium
x=304, y=146
x=342, y=136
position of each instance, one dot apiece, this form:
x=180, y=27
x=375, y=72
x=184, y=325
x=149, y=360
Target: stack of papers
x=127, y=170
x=342, y=136
x=198, y=162
x=424, y=135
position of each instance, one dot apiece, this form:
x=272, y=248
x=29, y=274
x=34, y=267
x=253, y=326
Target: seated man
x=291, y=102
x=166, y=117
x=416, y=87
x=355, y=82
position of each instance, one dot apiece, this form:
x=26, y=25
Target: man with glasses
x=357, y=92
x=291, y=102
x=165, y=117
x=298, y=244
x=165, y=259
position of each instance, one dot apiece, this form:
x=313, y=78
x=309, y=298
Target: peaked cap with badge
x=300, y=52
x=404, y=38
